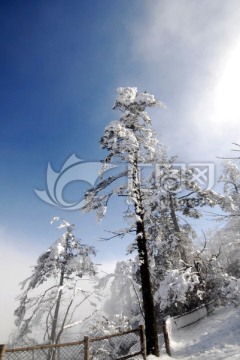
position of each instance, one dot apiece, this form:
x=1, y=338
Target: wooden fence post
x=143, y=342
x=86, y=347
x=2, y=350
x=166, y=338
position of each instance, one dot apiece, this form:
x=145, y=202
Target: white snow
x=179, y=283
x=216, y=337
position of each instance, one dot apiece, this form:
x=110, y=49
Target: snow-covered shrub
x=231, y=292
x=112, y=347
x=177, y=290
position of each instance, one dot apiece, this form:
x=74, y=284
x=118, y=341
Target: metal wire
x=115, y=347
x=74, y=352
x=111, y=347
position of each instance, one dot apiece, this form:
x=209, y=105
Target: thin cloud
x=14, y=267
x=181, y=48
x=187, y=25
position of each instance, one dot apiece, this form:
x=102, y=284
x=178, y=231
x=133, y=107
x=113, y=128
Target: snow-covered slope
x=216, y=337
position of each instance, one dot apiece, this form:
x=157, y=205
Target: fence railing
x=190, y=317
x=186, y=319
x=125, y=345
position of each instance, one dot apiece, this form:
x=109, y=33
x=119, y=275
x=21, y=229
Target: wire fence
x=46, y=352
x=130, y=344
x=125, y=345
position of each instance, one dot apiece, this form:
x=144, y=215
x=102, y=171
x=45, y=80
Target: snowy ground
x=216, y=337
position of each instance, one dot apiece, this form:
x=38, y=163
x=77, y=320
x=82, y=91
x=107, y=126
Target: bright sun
x=227, y=99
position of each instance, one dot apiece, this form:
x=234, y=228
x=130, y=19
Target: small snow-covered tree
x=51, y=293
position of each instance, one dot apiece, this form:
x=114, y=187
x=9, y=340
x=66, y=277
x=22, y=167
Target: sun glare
x=227, y=99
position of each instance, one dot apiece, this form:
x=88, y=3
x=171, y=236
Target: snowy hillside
x=216, y=337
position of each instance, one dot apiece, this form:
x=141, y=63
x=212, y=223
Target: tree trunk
x=56, y=311
x=177, y=231
x=52, y=352
x=57, y=307
x=147, y=293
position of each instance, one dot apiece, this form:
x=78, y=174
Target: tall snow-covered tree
x=208, y=278
x=131, y=140
x=51, y=293
x=226, y=240
x=174, y=258
x=170, y=196
x=224, y=244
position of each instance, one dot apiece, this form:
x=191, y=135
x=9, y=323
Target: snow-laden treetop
x=129, y=96
x=132, y=133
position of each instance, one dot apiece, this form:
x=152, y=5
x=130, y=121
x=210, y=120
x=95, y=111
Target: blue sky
x=60, y=65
